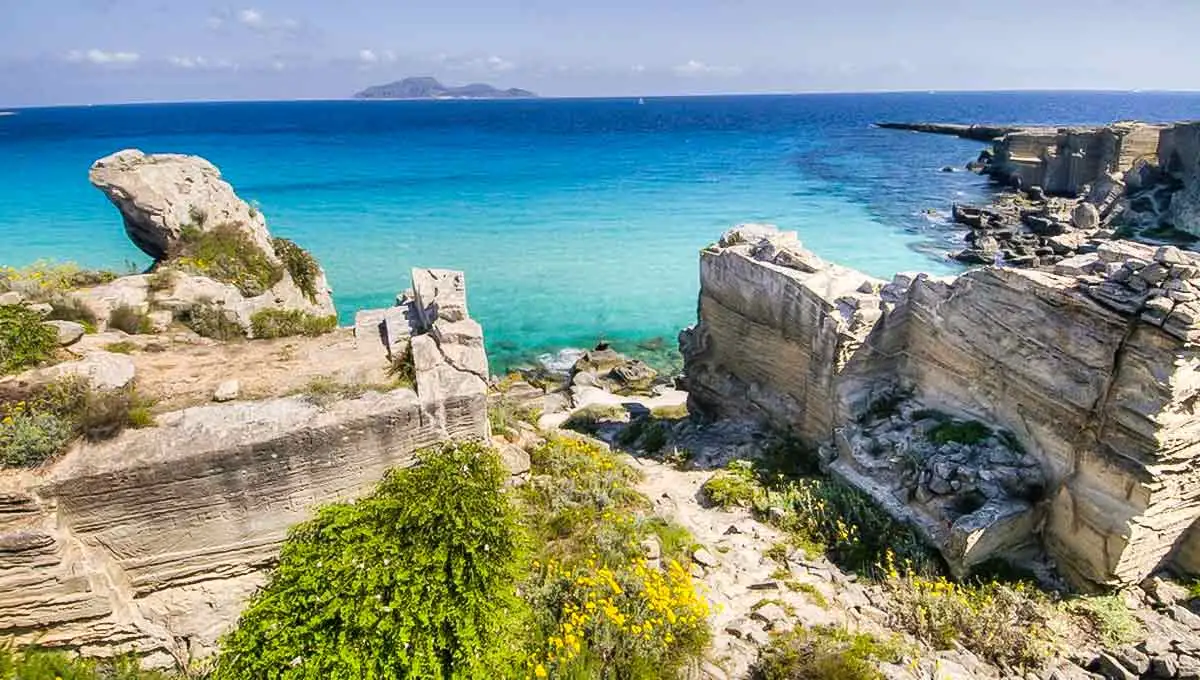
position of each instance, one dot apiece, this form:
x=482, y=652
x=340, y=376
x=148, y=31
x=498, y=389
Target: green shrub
x=599, y=610
x=1007, y=624
x=655, y=438
x=735, y=486
x=582, y=500
x=41, y=664
x=300, y=264
x=131, y=320
x=402, y=370
x=677, y=412
x=122, y=347
x=1108, y=618
x=286, y=323
x=226, y=253
x=960, y=431
x=66, y=308
x=414, y=581
x=324, y=390
x=24, y=340
x=28, y=439
x=589, y=418
x=504, y=415
x=213, y=321
x=47, y=280
x=161, y=279
x=824, y=653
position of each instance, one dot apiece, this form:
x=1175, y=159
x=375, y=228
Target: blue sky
x=92, y=51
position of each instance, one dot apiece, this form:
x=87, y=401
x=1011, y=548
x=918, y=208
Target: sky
x=106, y=51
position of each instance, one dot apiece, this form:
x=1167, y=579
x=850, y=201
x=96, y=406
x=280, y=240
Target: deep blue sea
x=574, y=219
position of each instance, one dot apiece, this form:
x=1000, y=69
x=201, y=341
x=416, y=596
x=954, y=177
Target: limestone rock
x=104, y=370
x=161, y=194
x=1038, y=355
x=1112, y=669
x=160, y=197
x=68, y=332
x=704, y=558
x=1085, y=216
x=10, y=298
x=227, y=391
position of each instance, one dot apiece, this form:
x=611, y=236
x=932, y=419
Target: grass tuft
x=286, y=323
x=300, y=264
x=227, y=254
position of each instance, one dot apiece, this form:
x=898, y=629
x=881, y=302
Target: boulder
x=227, y=391
x=12, y=297
x=1085, y=216
x=104, y=370
x=161, y=195
x=68, y=332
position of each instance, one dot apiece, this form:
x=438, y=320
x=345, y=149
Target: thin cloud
x=186, y=62
x=251, y=18
x=101, y=57
x=695, y=68
x=368, y=56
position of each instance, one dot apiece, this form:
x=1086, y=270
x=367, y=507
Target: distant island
x=429, y=88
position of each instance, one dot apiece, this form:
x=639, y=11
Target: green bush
x=213, y=321
x=960, y=431
x=1108, y=618
x=300, y=264
x=677, y=412
x=40, y=664
x=599, y=610
x=66, y=308
x=1007, y=624
x=227, y=254
x=161, y=279
x=47, y=280
x=121, y=347
x=402, y=370
x=131, y=320
x=735, y=486
x=504, y=416
x=824, y=653
x=417, y=580
x=24, y=340
x=286, y=323
x=29, y=439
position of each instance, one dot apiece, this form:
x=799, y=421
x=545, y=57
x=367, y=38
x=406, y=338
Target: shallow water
x=574, y=219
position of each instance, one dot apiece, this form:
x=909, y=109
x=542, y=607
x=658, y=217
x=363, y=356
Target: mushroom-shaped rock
x=161, y=195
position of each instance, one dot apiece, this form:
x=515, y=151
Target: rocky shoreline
x=1063, y=191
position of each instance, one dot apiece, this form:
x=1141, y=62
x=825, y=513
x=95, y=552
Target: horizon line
x=352, y=98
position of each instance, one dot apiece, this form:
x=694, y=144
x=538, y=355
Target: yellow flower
x=539, y=671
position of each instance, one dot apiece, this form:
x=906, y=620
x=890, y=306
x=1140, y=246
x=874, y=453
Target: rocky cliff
x=998, y=410
x=152, y=541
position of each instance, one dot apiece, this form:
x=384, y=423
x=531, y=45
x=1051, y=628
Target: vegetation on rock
x=402, y=370
x=40, y=664
x=286, y=323
x=24, y=340
x=416, y=580
x=44, y=424
x=300, y=264
x=600, y=609
x=45, y=280
x=213, y=321
x=824, y=653
x=227, y=254
x=130, y=320
x=67, y=308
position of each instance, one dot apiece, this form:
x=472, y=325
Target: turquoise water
x=574, y=219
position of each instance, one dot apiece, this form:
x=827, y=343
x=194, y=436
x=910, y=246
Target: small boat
x=641, y=101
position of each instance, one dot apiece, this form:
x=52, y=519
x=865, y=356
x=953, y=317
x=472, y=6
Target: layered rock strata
x=152, y=542
x=1093, y=372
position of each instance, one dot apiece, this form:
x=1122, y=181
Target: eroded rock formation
x=1095, y=378
x=152, y=541
x=167, y=201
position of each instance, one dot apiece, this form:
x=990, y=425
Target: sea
x=576, y=220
